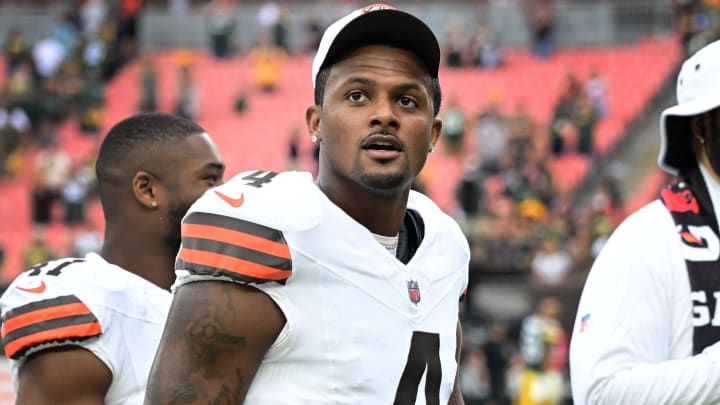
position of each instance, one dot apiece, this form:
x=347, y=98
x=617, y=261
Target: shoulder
x=49, y=305
x=237, y=231
x=285, y=201
x=644, y=248
x=646, y=228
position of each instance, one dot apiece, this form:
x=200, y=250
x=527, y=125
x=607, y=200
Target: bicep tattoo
x=195, y=361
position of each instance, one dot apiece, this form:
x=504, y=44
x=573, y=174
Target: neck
x=147, y=257
x=381, y=213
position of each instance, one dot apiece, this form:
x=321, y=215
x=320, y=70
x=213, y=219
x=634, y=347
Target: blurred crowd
x=518, y=221
x=55, y=80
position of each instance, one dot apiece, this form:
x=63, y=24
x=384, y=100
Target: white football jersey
x=362, y=327
x=90, y=303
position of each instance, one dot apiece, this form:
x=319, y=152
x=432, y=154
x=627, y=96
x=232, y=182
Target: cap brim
x=392, y=27
x=675, y=134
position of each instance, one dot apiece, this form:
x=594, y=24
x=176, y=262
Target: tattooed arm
x=456, y=397
x=214, y=341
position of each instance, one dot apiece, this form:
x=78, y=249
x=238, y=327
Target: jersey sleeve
x=223, y=247
x=40, y=312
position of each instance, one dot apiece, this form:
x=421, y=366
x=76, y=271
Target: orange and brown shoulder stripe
x=224, y=246
x=46, y=321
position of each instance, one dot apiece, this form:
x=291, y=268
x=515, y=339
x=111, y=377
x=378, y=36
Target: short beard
x=383, y=182
x=175, y=216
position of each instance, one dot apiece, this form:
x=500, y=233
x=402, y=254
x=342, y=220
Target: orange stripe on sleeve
x=41, y=315
x=73, y=331
x=231, y=264
x=236, y=238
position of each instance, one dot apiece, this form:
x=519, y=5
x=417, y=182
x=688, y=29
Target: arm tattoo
x=224, y=397
x=196, y=339
x=207, y=340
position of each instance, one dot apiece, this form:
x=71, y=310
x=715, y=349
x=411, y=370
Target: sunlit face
x=376, y=123
x=193, y=166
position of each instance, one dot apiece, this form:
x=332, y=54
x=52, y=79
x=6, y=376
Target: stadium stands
x=258, y=138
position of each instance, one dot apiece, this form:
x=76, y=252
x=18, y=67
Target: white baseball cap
x=698, y=91
x=381, y=24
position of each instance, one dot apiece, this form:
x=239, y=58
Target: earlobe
x=435, y=134
x=313, y=121
x=144, y=188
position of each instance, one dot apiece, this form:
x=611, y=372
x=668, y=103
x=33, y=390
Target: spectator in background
x=543, y=345
x=570, y=91
x=16, y=50
x=75, y=194
x=474, y=378
x=129, y=11
x=492, y=133
x=454, y=124
x=37, y=251
x=585, y=121
x=221, y=21
x=542, y=25
x=187, y=98
x=268, y=61
x=469, y=192
x=484, y=49
x=455, y=45
x=498, y=351
x=93, y=14
x=313, y=32
x=14, y=129
x=551, y=264
x=279, y=30
x=148, y=84
x=91, y=103
x=51, y=171
x=21, y=85
x=596, y=91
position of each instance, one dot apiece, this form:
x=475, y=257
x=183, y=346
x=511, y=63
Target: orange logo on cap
x=376, y=7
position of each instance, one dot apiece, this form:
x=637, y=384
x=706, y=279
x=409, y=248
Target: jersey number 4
x=424, y=354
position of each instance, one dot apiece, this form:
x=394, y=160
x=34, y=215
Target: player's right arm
x=220, y=326
x=214, y=341
x=65, y=375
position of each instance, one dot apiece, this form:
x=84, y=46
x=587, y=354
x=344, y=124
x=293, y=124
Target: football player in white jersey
x=344, y=291
x=85, y=330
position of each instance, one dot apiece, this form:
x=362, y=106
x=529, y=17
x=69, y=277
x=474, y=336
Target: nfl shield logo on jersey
x=414, y=291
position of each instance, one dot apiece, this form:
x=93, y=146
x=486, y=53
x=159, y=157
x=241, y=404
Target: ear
x=313, y=121
x=435, y=131
x=145, y=189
